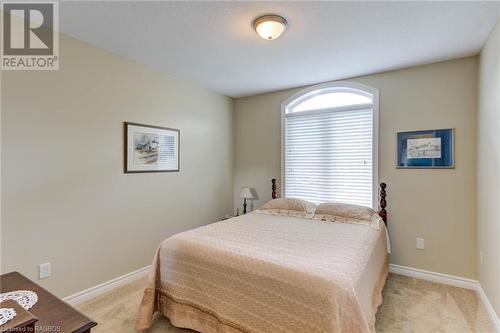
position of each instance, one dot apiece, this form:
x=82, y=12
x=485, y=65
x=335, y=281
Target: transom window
x=330, y=144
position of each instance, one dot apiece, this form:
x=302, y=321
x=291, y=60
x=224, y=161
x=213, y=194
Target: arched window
x=329, y=144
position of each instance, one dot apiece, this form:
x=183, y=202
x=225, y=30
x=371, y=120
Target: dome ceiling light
x=270, y=27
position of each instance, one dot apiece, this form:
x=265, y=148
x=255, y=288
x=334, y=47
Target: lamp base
x=244, y=206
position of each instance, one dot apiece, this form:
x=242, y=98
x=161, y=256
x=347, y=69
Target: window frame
x=325, y=88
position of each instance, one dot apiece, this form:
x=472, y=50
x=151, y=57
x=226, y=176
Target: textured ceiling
x=214, y=44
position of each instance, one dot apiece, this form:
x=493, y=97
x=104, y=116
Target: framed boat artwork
x=151, y=148
x=427, y=149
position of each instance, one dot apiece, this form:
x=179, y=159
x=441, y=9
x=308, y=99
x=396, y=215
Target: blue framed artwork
x=426, y=149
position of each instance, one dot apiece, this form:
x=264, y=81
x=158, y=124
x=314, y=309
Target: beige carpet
x=410, y=305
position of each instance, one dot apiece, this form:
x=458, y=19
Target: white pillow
x=347, y=213
x=289, y=207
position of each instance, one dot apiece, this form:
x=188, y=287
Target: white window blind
x=328, y=155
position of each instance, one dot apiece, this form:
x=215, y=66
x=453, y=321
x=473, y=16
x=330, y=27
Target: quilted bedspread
x=265, y=273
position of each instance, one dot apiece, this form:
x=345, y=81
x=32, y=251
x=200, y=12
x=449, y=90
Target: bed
x=260, y=273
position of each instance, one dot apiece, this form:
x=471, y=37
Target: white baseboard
x=434, y=277
x=105, y=287
x=452, y=281
x=489, y=308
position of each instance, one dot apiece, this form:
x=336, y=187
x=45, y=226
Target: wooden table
x=53, y=314
x=24, y=321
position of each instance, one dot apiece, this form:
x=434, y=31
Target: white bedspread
x=265, y=273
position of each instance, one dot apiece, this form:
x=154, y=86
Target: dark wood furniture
x=24, y=321
x=382, y=195
x=53, y=314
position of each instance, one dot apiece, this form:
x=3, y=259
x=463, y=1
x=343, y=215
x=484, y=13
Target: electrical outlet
x=481, y=257
x=44, y=271
x=420, y=243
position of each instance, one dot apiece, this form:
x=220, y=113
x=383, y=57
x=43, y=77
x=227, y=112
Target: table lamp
x=246, y=193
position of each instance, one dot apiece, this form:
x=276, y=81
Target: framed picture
x=426, y=149
x=151, y=148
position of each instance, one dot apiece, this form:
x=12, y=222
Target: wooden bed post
x=274, y=194
x=383, y=203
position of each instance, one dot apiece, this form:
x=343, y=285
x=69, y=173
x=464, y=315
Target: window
x=330, y=144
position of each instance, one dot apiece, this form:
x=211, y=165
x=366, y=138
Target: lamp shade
x=246, y=193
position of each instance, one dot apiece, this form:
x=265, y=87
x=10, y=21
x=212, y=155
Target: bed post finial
x=274, y=194
x=382, y=212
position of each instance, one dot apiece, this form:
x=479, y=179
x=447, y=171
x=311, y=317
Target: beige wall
x=65, y=198
x=438, y=205
x=489, y=167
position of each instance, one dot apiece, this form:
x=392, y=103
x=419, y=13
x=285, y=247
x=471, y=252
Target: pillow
x=347, y=213
x=289, y=206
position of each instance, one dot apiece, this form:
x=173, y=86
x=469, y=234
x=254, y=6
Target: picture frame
x=426, y=149
x=151, y=148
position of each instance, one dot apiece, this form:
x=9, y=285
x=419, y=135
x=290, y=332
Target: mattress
x=266, y=273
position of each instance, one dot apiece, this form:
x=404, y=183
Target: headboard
x=382, y=202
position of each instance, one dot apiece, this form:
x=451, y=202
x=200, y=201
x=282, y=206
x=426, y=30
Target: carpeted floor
x=410, y=305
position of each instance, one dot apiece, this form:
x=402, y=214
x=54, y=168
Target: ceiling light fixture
x=270, y=27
